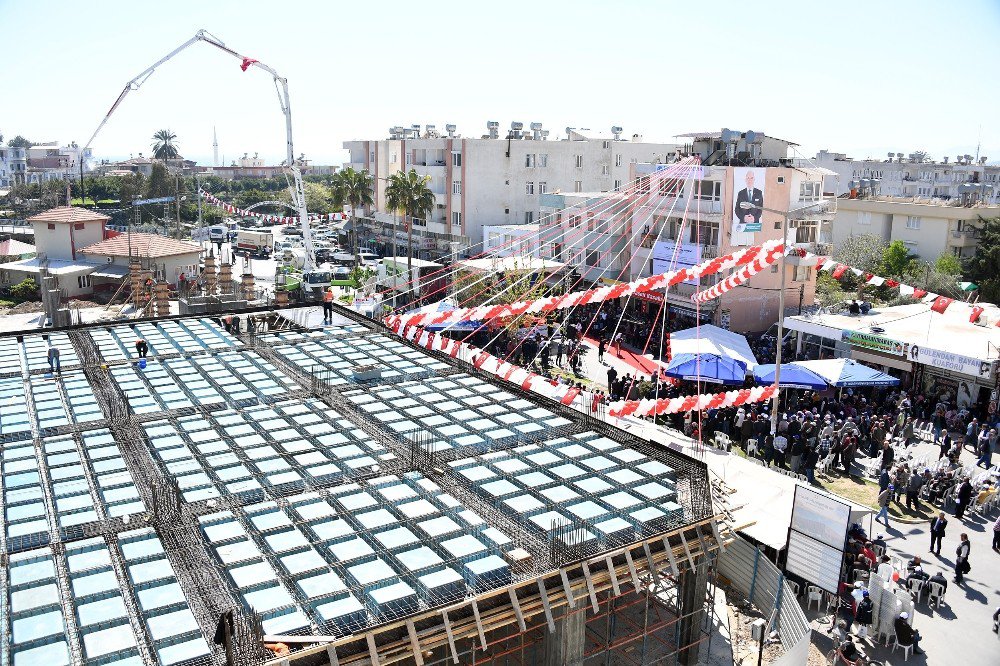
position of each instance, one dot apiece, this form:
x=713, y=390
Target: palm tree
x=407, y=193
x=165, y=146
x=356, y=189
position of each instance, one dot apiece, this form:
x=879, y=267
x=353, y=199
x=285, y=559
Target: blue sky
x=861, y=78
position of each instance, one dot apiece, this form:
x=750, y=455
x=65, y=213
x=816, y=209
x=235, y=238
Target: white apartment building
x=496, y=179
x=512, y=240
x=590, y=232
x=50, y=161
x=911, y=177
x=13, y=166
x=928, y=227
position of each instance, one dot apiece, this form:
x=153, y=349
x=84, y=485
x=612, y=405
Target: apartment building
x=928, y=227
x=13, y=166
x=512, y=240
x=912, y=176
x=496, y=179
x=629, y=236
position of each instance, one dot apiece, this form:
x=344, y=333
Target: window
x=52, y=227
x=529, y=160
x=618, y=185
x=923, y=191
x=543, y=187
x=529, y=217
x=456, y=158
x=393, y=157
x=574, y=220
x=865, y=219
x=578, y=186
x=912, y=222
x=529, y=187
x=456, y=187
x=605, y=170
x=579, y=161
x=419, y=222
x=557, y=249
x=543, y=160
x=594, y=258
x=618, y=160
x=83, y=281
x=809, y=191
x=643, y=185
x=371, y=156
x=591, y=222
x=802, y=274
x=606, y=145
x=710, y=190
x=79, y=226
x=456, y=219
x=708, y=232
x=774, y=268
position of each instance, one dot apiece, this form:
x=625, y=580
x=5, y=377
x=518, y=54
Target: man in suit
x=754, y=197
x=938, y=526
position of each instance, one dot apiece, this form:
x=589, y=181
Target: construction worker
x=53, y=356
x=328, y=306
x=141, y=348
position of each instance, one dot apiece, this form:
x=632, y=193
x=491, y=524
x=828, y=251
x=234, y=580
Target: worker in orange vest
x=328, y=306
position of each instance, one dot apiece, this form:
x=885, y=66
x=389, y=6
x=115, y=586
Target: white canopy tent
x=712, y=340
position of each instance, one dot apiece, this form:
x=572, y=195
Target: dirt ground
x=745, y=648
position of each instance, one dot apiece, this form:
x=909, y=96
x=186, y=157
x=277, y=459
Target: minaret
x=215, y=148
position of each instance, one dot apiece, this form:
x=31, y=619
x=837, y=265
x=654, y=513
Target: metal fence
x=762, y=582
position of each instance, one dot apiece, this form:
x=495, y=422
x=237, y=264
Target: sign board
x=872, y=341
x=650, y=296
x=688, y=255
x=821, y=517
x=749, y=188
x=815, y=561
x=816, y=537
x=966, y=365
x=140, y=202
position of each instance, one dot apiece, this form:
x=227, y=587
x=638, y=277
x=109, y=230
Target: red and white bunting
x=691, y=403
x=763, y=260
x=233, y=210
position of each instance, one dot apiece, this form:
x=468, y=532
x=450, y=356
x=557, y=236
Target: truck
x=217, y=233
x=255, y=243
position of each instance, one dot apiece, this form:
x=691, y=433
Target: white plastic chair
x=935, y=593
x=813, y=593
x=907, y=649
x=916, y=587
x=793, y=587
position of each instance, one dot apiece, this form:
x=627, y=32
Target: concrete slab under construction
x=231, y=490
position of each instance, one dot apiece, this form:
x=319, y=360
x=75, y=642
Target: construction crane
x=296, y=187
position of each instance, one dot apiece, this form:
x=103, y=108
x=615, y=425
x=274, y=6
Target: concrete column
x=692, y=588
x=210, y=275
x=281, y=298
x=225, y=277
x=135, y=281
x=162, y=295
x=565, y=646
x=247, y=286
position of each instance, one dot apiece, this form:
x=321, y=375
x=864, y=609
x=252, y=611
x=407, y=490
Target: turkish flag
x=839, y=271
x=246, y=63
x=941, y=304
x=919, y=293
x=976, y=311
x=891, y=283
x=868, y=276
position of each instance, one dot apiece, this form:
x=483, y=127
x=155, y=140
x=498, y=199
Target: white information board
x=820, y=516
x=815, y=561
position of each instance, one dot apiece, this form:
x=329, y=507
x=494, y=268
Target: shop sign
x=874, y=342
x=965, y=365
x=650, y=296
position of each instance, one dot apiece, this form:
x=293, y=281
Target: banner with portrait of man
x=748, y=198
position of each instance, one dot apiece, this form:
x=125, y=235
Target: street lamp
x=785, y=216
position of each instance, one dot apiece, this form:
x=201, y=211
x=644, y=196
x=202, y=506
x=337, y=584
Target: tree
x=948, y=264
x=983, y=267
x=25, y=290
x=356, y=189
x=317, y=198
x=897, y=260
x=20, y=142
x=407, y=193
x=129, y=188
x=165, y=145
x=160, y=183
x=864, y=252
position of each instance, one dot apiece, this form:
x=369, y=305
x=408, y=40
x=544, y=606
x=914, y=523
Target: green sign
x=874, y=342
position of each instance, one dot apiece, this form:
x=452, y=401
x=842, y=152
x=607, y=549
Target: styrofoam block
x=321, y=585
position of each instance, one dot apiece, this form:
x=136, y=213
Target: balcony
x=825, y=208
x=964, y=238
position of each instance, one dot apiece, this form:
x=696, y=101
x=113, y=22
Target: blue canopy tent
x=464, y=326
x=844, y=372
x=710, y=354
x=792, y=376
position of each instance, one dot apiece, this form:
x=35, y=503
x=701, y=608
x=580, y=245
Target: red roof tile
x=68, y=215
x=143, y=245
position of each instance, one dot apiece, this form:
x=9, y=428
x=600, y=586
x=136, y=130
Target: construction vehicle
x=254, y=243
x=296, y=189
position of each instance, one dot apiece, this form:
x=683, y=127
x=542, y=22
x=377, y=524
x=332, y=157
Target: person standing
x=864, y=614
x=964, y=497
x=938, y=526
x=962, y=565
x=53, y=357
x=985, y=449
x=913, y=490
x=602, y=345
x=328, y=306
x=996, y=534
x=561, y=351
x=612, y=376
x=883, y=504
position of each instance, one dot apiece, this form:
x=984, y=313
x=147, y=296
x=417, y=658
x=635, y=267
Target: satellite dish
x=752, y=137
x=727, y=135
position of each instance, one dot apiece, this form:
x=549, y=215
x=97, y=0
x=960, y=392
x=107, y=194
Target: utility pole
x=177, y=205
x=802, y=295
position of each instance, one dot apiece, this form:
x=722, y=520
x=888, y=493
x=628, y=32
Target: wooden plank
x=567, y=588
x=418, y=654
x=546, y=606
x=331, y=653
x=372, y=652
x=653, y=573
x=718, y=536
x=450, y=635
x=590, y=587
x=614, y=575
x=687, y=551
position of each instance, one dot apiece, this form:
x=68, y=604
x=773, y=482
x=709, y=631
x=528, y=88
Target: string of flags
x=938, y=302
x=272, y=219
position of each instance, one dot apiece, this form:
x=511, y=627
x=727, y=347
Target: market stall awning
x=842, y=372
x=792, y=376
x=710, y=353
